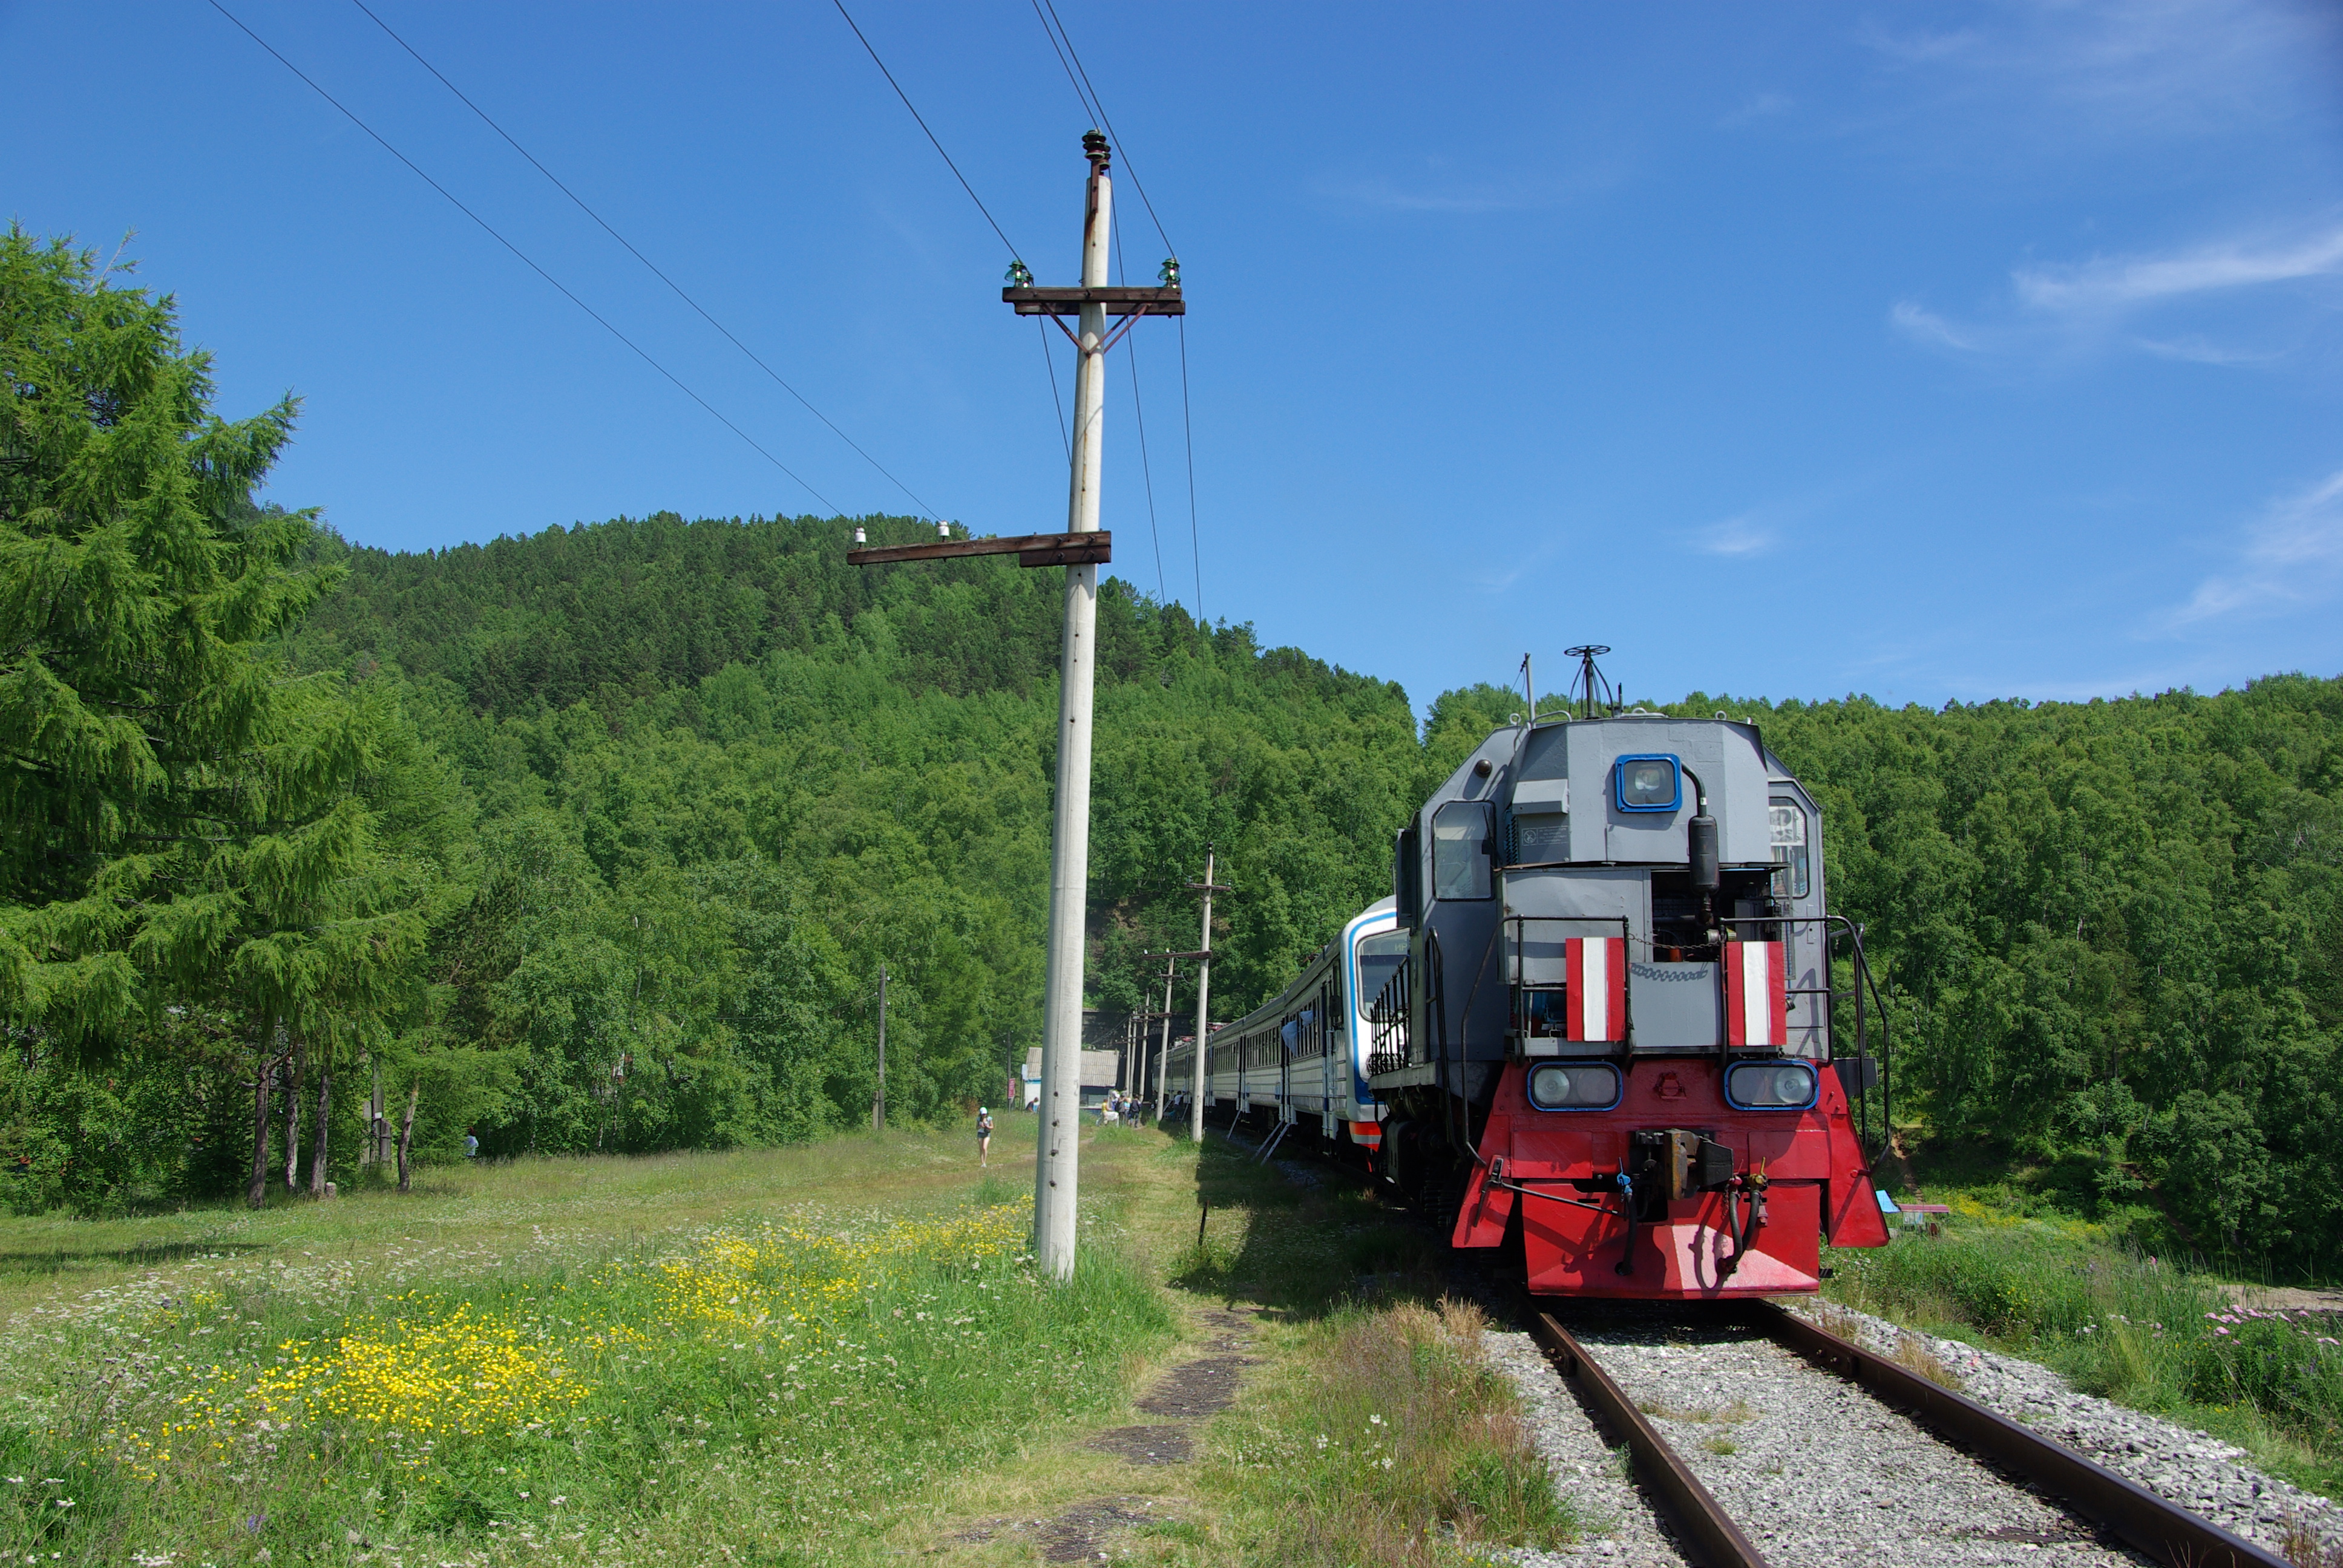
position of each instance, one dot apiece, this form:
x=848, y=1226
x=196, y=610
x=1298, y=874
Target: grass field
x=2016, y=1273
x=833, y=1354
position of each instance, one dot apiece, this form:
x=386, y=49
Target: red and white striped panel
x=1596, y=969
x=1757, y=1000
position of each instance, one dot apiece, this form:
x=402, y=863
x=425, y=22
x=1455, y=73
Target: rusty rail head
x=1712, y=1539
x=2162, y=1531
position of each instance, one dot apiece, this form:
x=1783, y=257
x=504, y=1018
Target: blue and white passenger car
x=1301, y=1059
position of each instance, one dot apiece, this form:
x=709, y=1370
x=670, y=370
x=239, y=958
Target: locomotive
x=1608, y=1041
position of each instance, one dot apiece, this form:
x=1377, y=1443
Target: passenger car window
x=1460, y=855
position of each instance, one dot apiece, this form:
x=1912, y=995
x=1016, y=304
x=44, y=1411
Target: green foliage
x=722, y=776
x=599, y=838
x=2124, y=1324
x=2109, y=927
x=191, y=832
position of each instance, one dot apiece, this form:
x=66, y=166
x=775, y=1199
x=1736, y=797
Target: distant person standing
x=471, y=1145
x=983, y=1136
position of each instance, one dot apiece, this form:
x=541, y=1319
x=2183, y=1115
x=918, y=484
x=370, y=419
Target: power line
x=490, y=230
x=1051, y=365
x=924, y=125
x=638, y=256
x=1057, y=49
x=1062, y=44
x=1100, y=105
x=1015, y=256
x=1189, y=425
x=1139, y=415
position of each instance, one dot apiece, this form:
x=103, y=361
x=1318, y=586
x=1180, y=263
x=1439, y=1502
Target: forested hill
x=2109, y=928
x=673, y=711
x=599, y=838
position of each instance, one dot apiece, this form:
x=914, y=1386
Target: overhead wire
x=1099, y=106
x=490, y=230
x=1051, y=365
x=1188, y=424
x=1065, y=437
x=1138, y=416
x=678, y=288
x=1062, y=44
x=1013, y=253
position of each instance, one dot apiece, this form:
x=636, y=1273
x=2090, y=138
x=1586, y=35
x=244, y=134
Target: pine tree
x=187, y=823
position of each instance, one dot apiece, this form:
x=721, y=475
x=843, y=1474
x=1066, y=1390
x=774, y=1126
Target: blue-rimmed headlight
x=1648, y=783
x=1575, y=1085
x=1770, y=1085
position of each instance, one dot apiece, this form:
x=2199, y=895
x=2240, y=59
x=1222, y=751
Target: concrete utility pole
x=1203, y=1002
x=878, y=1094
x=1163, y=1048
x=1057, y=1173
x=1082, y=548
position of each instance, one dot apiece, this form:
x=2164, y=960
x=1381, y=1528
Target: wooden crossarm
x=1093, y=548
x=1119, y=301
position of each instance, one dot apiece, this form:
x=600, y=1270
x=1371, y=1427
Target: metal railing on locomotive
x=1392, y=1048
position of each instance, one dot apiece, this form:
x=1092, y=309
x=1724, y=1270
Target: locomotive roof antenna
x=1590, y=681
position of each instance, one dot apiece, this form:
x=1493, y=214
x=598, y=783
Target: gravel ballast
x=1619, y=1525
x=1817, y=1470
x=2200, y=1471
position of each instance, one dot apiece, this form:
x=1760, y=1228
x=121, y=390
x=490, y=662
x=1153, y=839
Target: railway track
x=1764, y=1438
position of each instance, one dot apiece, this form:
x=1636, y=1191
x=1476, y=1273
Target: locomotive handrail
x=1863, y=981
x=1626, y=935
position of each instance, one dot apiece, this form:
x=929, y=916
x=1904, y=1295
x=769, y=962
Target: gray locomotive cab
x=1672, y=837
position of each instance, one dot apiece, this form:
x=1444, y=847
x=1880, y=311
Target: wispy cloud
x=1758, y=107
x=2292, y=558
x=1493, y=582
x=1742, y=536
x=2065, y=309
x=2104, y=285
x=1439, y=185
x=2200, y=351
x=1924, y=325
x=2080, y=69
x=1388, y=196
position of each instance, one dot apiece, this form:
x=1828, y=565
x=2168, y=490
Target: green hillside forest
x=597, y=838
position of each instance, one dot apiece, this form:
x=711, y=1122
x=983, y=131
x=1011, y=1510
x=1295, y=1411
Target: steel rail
x=2163, y=1531
x=1716, y=1541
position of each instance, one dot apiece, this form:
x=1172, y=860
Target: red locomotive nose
x=1717, y=1200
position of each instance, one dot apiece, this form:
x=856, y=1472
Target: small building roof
x=1099, y=1066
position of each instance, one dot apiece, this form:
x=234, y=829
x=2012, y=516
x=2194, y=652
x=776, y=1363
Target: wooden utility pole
x=878, y=1094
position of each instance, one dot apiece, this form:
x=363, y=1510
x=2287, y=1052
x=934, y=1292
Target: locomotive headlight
x=1770, y=1085
x=1653, y=783
x=1575, y=1085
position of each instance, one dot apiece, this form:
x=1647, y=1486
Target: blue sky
x=1928, y=351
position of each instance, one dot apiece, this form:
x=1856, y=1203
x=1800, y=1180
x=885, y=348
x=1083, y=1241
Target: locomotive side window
x=1460, y=851
x=1789, y=825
